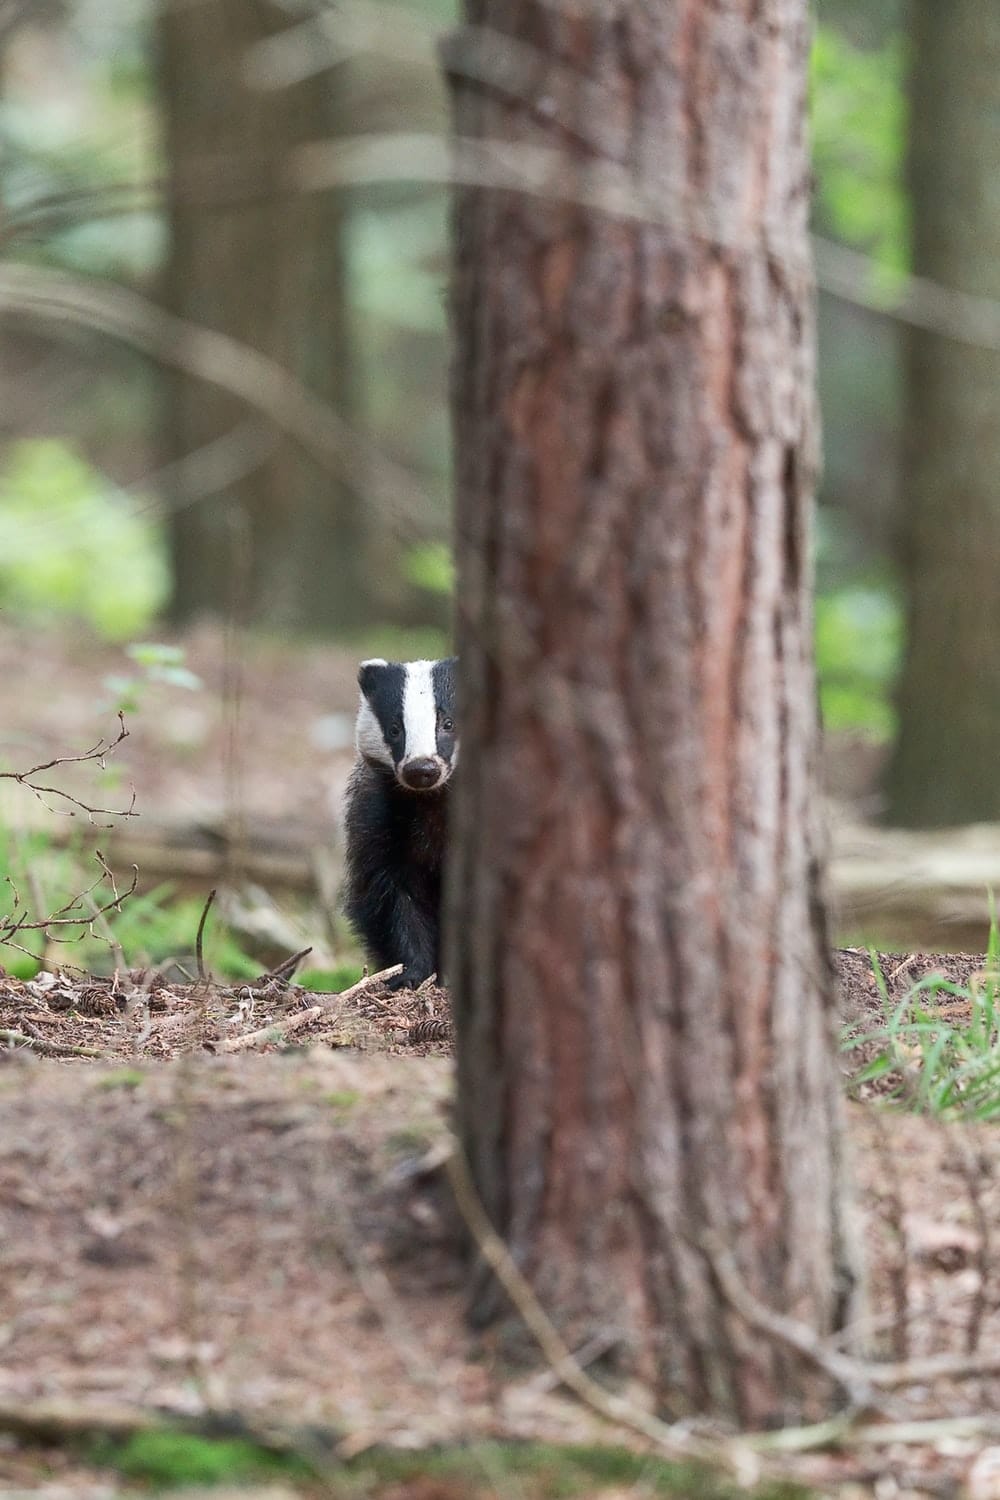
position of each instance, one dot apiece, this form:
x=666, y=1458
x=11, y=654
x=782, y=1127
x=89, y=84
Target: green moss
x=537, y=1471
x=170, y=1458
x=342, y=1098
x=547, y=1471
x=122, y=1078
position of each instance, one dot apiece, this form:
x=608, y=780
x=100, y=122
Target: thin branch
x=674, y=1441
x=367, y=982
x=199, y=942
x=277, y=1031
x=18, y=922
x=96, y=755
x=46, y=1048
x=220, y=360
x=281, y=973
x=971, y=1168
x=859, y=1378
x=848, y=1431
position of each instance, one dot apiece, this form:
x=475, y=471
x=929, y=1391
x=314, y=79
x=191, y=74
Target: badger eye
x=448, y=725
x=396, y=731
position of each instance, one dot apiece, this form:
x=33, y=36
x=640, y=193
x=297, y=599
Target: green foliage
x=176, y=1458
x=430, y=566
x=151, y=928
x=330, y=981
x=859, y=127
x=859, y=638
x=390, y=250
x=62, y=146
x=159, y=925
x=159, y=664
x=71, y=544
x=929, y=1062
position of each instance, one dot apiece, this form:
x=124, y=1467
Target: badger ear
x=368, y=674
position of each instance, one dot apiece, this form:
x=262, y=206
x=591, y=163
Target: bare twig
x=17, y=921
x=971, y=1167
x=281, y=972
x=898, y=1269
x=859, y=1378
x=852, y=1375
x=45, y=1047
x=367, y=982
x=674, y=1441
x=276, y=1032
x=844, y=1431
x=199, y=942
x=97, y=754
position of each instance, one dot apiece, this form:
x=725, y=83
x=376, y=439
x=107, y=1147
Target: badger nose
x=420, y=774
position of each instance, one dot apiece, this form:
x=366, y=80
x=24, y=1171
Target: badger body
x=396, y=813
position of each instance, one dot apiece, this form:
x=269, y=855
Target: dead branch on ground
x=44, y=1047
x=367, y=981
x=277, y=1031
x=858, y=1377
x=679, y=1442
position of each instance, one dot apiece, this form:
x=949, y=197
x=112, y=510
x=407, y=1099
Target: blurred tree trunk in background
x=638, y=942
x=268, y=268
x=945, y=765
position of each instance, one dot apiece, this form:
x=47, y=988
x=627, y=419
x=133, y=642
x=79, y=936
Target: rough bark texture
x=945, y=765
x=638, y=941
x=268, y=268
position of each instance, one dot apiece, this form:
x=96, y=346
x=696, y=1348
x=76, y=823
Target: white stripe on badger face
x=419, y=712
x=369, y=737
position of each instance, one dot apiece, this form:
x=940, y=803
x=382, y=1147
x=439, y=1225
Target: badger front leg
x=394, y=928
x=413, y=943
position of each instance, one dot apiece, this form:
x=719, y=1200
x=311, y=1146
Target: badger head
x=406, y=721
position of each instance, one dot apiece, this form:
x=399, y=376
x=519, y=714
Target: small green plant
x=122, y=1078
x=859, y=642
x=935, y=1061
x=431, y=566
x=176, y=1458
x=157, y=663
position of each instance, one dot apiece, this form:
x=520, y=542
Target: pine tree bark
x=638, y=943
x=267, y=267
x=944, y=767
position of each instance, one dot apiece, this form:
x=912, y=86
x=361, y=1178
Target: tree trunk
x=944, y=769
x=267, y=268
x=638, y=942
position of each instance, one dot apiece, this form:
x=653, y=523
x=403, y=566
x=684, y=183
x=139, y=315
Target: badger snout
x=422, y=774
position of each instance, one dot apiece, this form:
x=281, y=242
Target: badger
x=395, y=815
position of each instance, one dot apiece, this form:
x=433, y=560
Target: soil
x=191, y=1227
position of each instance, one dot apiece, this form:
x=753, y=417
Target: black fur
x=396, y=843
x=395, y=867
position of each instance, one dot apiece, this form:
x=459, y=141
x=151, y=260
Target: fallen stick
x=367, y=982
x=46, y=1048
x=276, y=1032
x=61, y=1421
x=859, y=1377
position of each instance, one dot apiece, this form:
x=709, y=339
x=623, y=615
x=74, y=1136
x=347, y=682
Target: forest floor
x=220, y=1198
x=231, y=1199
